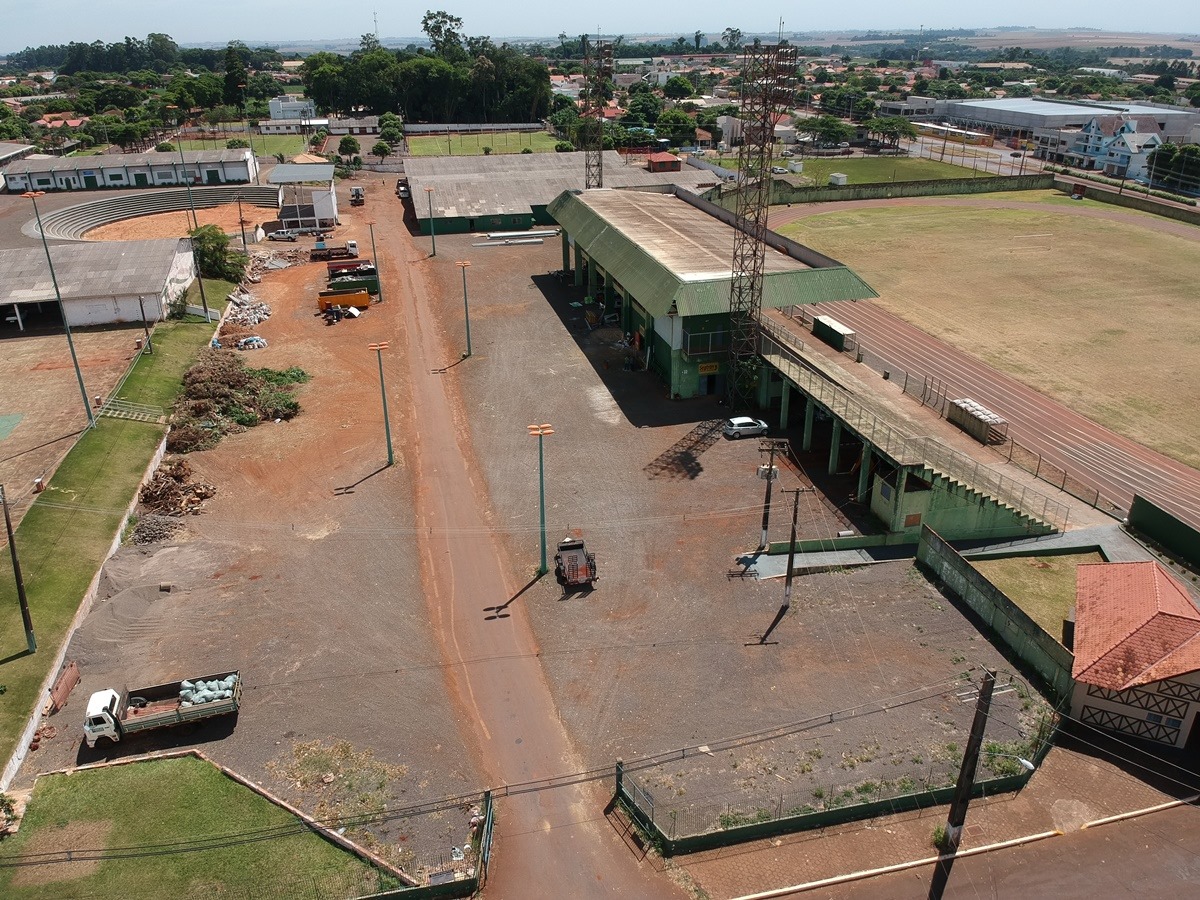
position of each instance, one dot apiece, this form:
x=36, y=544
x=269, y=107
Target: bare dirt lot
x=303, y=574
x=180, y=223
x=41, y=410
x=656, y=657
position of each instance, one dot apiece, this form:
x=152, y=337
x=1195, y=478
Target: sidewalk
x=1069, y=790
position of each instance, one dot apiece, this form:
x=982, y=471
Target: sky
x=63, y=21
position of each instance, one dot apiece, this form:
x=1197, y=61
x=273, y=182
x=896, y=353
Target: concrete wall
x=784, y=192
x=1133, y=201
x=949, y=508
x=1038, y=650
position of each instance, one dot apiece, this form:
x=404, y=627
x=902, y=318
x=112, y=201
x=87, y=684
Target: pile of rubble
x=153, y=529
x=245, y=310
x=267, y=260
x=171, y=492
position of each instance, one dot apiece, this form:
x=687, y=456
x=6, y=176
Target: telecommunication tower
x=598, y=70
x=768, y=77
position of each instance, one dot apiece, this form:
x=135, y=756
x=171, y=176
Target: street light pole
x=540, y=432
x=242, y=224
x=464, y=264
x=62, y=310
x=432, y=235
x=387, y=426
x=375, y=257
x=30, y=639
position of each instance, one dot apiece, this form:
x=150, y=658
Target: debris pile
x=222, y=395
x=153, y=529
x=171, y=492
x=245, y=310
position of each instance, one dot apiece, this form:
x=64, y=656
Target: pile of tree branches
x=222, y=395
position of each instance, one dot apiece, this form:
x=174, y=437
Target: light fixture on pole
x=541, y=432
x=387, y=426
x=62, y=310
x=375, y=258
x=432, y=235
x=464, y=265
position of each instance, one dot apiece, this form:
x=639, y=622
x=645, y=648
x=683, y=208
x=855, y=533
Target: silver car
x=744, y=426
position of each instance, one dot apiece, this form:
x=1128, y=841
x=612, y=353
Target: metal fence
x=901, y=446
x=935, y=393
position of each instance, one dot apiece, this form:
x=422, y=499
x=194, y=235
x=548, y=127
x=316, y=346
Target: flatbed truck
x=117, y=714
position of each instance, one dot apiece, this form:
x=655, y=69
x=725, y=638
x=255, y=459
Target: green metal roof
x=623, y=243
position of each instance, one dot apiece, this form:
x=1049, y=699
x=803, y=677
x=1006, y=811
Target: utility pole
x=787, y=580
x=146, y=325
x=962, y=790
x=30, y=640
x=771, y=447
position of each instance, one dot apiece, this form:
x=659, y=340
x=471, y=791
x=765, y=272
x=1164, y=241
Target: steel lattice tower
x=598, y=68
x=768, y=71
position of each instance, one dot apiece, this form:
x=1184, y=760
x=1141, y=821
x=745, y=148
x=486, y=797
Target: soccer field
x=473, y=144
x=1098, y=313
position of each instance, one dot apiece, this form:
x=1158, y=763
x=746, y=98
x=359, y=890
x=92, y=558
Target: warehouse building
x=510, y=192
x=663, y=259
x=131, y=170
x=101, y=283
x=1020, y=116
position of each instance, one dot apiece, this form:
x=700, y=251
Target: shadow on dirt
x=639, y=394
x=183, y=737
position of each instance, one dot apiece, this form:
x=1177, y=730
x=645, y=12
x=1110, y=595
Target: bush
x=487, y=151
x=940, y=837
x=562, y=147
x=237, y=144
x=165, y=147
x=526, y=149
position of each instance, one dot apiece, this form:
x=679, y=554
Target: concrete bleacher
x=73, y=222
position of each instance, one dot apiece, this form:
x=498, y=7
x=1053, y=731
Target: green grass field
x=1043, y=586
x=1097, y=313
x=473, y=144
x=264, y=144
x=64, y=536
x=870, y=170
x=173, y=802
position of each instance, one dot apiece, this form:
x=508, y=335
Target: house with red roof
x=663, y=162
x=1137, y=652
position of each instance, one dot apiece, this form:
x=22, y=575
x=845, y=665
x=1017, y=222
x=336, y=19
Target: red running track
x=1114, y=465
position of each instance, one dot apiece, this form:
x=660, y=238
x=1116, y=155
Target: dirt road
x=549, y=844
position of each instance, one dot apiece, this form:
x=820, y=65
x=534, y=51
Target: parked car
x=843, y=146
x=778, y=170
x=744, y=426
x=285, y=234
x=403, y=192
x=787, y=153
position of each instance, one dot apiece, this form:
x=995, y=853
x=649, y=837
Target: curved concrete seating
x=73, y=222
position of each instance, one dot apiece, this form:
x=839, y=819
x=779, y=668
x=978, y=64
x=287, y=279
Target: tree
x=677, y=87
x=677, y=126
x=348, y=146
x=235, y=77
x=236, y=144
x=563, y=147
x=214, y=259
x=382, y=149
x=732, y=38
x=698, y=39
x=444, y=32
x=165, y=147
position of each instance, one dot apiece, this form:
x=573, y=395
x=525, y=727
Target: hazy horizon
x=294, y=22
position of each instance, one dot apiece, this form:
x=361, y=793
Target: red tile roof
x=1134, y=624
x=663, y=157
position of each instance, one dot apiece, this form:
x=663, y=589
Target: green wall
x=951, y=509
x=463, y=224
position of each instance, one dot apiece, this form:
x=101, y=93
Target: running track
x=1114, y=465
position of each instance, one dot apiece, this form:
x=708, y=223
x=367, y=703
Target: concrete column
x=783, y=405
x=578, y=266
x=864, y=472
x=609, y=293
x=593, y=279
x=835, y=446
x=810, y=409
x=566, y=252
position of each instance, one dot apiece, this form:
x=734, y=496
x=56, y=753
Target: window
x=1154, y=717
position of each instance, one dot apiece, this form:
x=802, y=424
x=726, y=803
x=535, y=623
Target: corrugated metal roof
x=299, y=173
x=672, y=256
x=87, y=270
x=121, y=160
x=473, y=186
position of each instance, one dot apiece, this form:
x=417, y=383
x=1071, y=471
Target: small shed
x=663, y=162
x=834, y=333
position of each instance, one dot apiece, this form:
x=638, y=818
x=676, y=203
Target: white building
x=288, y=107
x=126, y=170
x=1137, y=652
x=101, y=282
